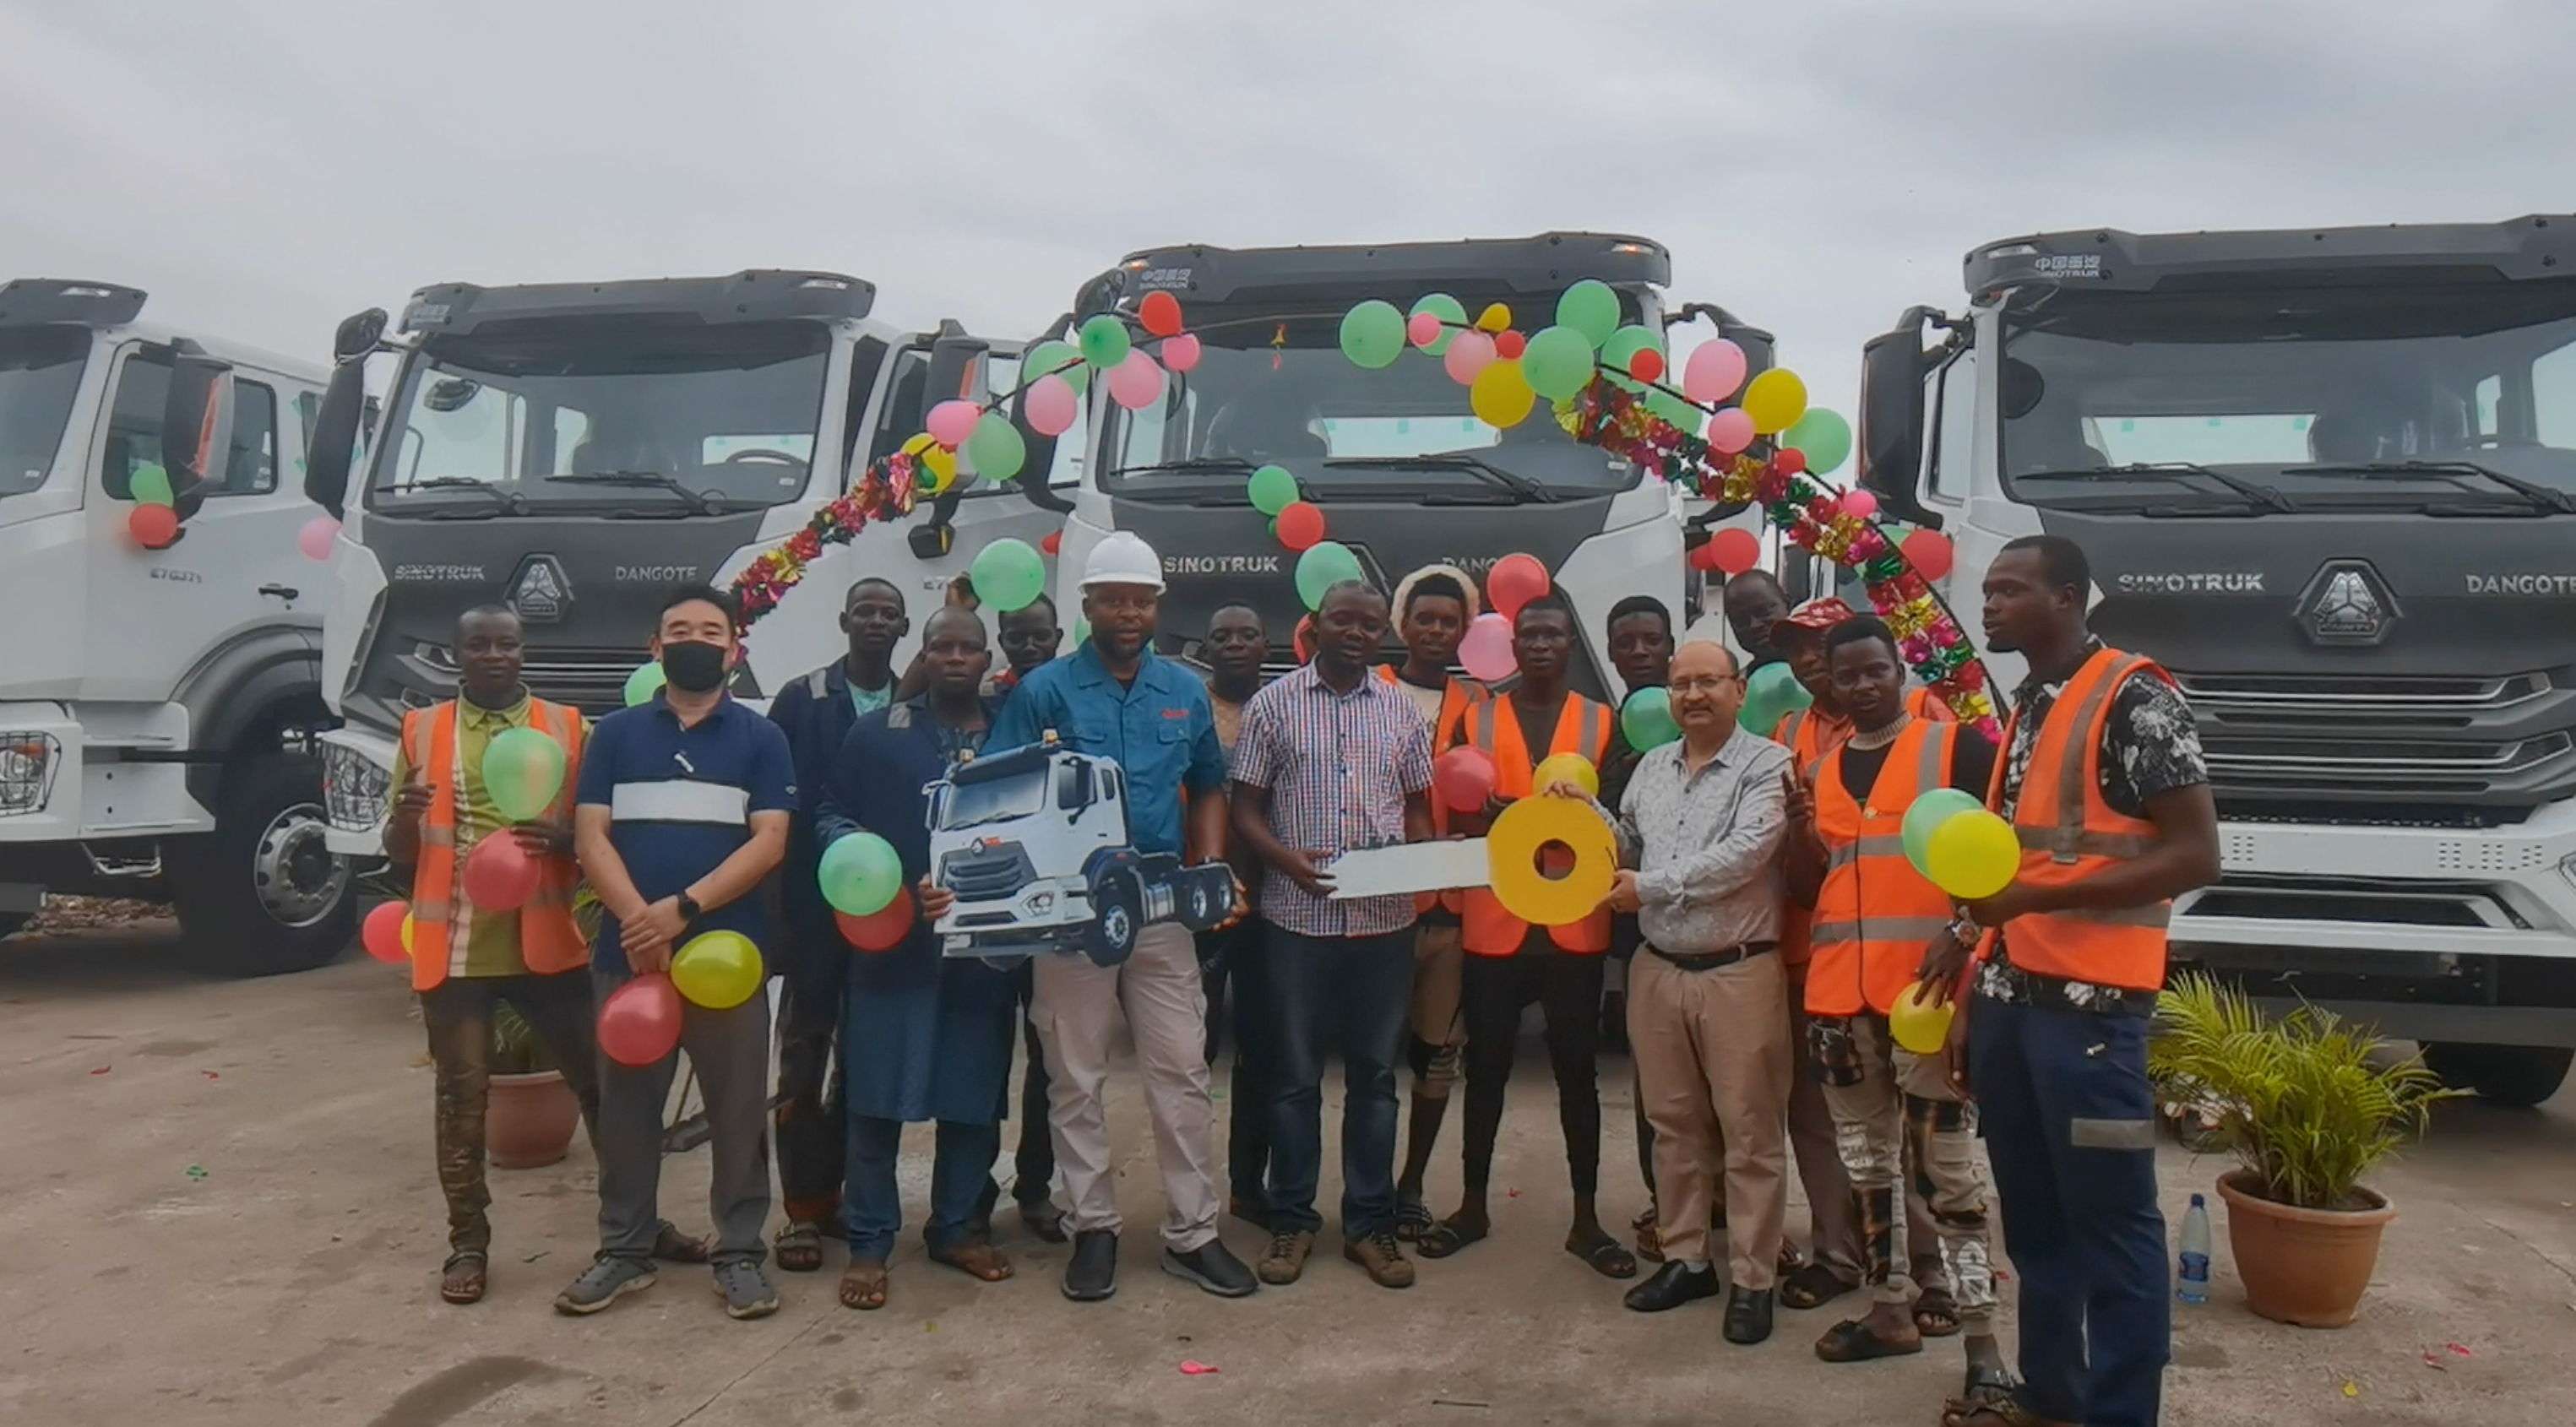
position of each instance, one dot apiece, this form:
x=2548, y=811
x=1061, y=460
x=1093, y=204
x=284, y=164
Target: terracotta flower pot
x=531, y=1120
x=2306, y=1267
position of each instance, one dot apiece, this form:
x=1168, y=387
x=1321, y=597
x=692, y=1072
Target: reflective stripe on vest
x=1493, y=725
x=550, y=939
x=1874, y=914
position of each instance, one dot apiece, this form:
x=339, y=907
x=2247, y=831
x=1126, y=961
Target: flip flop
x=863, y=1286
x=1936, y=1314
x=977, y=1260
x=1446, y=1238
x=462, y=1278
x=1853, y=1342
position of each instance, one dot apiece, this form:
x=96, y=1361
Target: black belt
x=1714, y=960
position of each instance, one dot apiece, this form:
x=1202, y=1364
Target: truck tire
x=261, y=895
x=1119, y=908
x=2519, y=1076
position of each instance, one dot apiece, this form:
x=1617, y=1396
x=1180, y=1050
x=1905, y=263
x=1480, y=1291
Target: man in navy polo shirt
x=682, y=810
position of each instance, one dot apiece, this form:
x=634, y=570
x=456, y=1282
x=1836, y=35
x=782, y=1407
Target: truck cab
x=2326, y=478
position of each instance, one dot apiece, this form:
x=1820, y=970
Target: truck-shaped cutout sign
x=1033, y=842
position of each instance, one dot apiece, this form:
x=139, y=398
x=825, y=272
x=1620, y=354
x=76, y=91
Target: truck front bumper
x=357, y=786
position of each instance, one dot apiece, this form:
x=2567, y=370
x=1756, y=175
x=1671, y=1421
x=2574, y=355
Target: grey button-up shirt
x=1706, y=845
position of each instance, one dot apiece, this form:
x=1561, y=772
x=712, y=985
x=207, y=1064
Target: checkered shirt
x=1338, y=767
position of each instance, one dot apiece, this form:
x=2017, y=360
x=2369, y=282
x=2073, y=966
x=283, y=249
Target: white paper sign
x=1411, y=867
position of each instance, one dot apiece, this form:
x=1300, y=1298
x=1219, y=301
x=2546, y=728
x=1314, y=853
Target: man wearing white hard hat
x=1116, y=698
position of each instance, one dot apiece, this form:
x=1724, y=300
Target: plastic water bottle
x=2195, y=1253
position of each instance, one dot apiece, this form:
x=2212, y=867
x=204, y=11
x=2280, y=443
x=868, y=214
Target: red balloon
x=1929, y=552
x=153, y=527
x=499, y=875
x=1734, y=550
x=639, y=1023
x=1303, y=638
x=1514, y=581
x=1053, y=543
x=1789, y=461
x=881, y=930
x=1703, y=556
x=1464, y=779
x=1301, y=524
x=1510, y=345
x=1159, y=314
x=1647, y=365
x=381, y=933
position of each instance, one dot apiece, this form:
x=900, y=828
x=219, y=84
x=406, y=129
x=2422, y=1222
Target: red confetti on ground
x=2462, y=1351
x=210, y=1075
x=102, y=1070
x=1196, y=1369
x=2435, y=1363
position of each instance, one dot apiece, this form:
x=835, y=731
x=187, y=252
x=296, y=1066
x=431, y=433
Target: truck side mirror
x=1891, y=419
x=345, y=406
x=956, y=374
x=196, y=426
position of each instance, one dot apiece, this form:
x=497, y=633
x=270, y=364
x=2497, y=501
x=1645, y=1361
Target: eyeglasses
x=1708, y=683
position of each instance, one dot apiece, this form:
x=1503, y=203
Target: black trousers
x=1567, y=987
x=1232, y=960
x=811, y=1131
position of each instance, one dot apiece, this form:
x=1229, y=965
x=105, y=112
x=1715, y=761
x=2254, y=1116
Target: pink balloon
x=1137, y=382
x=316, y=538
x=1051, y=406
x=1181, y=353
x=1469, y=353
x=1464, y=779
x=500, y=876
x=1422, y=328
x=1730, y=431
x=951, y=422
x=1487, y=649
x=1859, y=505
x=1714, y=371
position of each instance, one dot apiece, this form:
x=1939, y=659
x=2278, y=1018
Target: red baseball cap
x=1815, y=615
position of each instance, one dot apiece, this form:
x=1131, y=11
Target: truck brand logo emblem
x=2347, y=604
x=1220, y=564
x=2214, y=582
x=657, y=574
x=438, y=574
x=2069, y=265
x=2522, y=584
x=541, y=594
x=1165, y=278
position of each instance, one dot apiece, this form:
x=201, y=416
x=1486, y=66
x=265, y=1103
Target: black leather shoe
x=1672, y=1286
x=1093, y=1274
x=1748, y=1316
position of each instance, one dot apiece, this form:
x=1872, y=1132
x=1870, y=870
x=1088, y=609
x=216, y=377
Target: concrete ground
x=292, y=1282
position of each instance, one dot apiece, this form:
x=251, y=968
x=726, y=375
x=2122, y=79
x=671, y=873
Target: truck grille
x=2378, y=740
x=980, y=874
x=589, y=679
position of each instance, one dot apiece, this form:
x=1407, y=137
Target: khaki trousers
x=1439, y=969
x=1076, y=1007
x=1714, y=1066
x=1894, y=1111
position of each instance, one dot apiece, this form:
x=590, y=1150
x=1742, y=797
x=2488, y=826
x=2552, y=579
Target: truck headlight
x=353, y=788
x=27, y=764
x=1038, y=903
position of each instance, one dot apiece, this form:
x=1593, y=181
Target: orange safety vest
x=1456, y=697
x=1874, y=914
x=2068, y=834
x=1493, y=725
x=549, y=939
x=1809, y=740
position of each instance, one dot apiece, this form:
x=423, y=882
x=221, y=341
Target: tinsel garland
x=884, y=492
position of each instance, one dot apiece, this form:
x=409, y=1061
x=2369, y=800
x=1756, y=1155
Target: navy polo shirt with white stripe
x=680, y=802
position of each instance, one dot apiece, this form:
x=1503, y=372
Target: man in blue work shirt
x=1116, y=698
x=681, y=811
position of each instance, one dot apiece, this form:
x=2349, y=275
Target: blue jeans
x=872, y=1206
x=1351, y=994
x=2069, y=1122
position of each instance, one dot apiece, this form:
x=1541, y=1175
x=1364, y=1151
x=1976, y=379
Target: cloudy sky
x=268, y=166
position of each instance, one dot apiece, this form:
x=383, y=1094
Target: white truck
x=158, y=706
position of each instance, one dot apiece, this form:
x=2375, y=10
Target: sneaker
x=608, y=1279
x=1093, y=1273
x=1383, y=1257
x=1285, y=1259
x=1213, y=1267
x=745, y=1290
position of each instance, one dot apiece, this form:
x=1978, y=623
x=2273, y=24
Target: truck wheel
x=2520, y=1076
x=1119, y=912
x=263, y=895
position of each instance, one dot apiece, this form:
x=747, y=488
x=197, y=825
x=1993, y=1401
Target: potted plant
x=2308, y=1106
x=532, y=1113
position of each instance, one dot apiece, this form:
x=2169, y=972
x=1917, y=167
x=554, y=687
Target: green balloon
x=1626, y=343
x=1770, y=695
x=1452, y=315
x=1081, y=630
x=1646, y=720
x=644, y=683
x=1325, y=564
x=1558, y=363
x=1373, y=334
x=861, y=874
x=996, y=447
x=1823, y=437
x=1008, y=574
x=1272, y=488
x=1104, y=341
x=1591, y=308
x=1675, y=411
x=150, y=485
x=522, y=771
x=1055, y=359
x=1925, y=817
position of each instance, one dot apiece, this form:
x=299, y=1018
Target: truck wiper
x=2261, y=497
x=2541, y=498
x=503, y=502
x=1194, y=463
x=1491, y=474
x=707, y=502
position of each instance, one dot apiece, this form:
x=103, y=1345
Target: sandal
x=1413, y=1220
x=1448, y=1237
x=1605, y=1255
x=1936, y=1314
x=1645, y=1219
x=1812, y=1286
x=1989, y=1403
x=1853, y=1342
x=800, y=1248
x=973, y=1257
x=863, y=1285
x=462, y=1278
x=672, y=1246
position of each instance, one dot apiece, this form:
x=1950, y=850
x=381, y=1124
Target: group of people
x=1762, y=925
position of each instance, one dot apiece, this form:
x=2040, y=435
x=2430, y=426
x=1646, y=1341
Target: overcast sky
x=267, y=166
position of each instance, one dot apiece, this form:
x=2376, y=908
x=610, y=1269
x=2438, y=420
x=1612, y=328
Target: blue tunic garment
x=923, y=1037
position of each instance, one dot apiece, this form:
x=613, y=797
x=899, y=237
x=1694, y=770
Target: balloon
x=1510, y=345
x=1620, y=352
x=860, y=873
x=1422, y=329
x=1788, y=462
x=1672, y=410
x=1775, y=400
x=1104, y=341
x=1824, y=436
x=1646, y=720
x=1272, y=489
x=998, y=449
x=523, y=770
x=1566, y=768
x=317, y=537
x=1464, y=778
x=154, y=527
x=1514, y=581
x=1053, y=543
x=1972, y=856
x=1734, y=549
x=1059, y=359
x=1487, y=650
x=1647, y=365
x=1469, y=353
x=644, y=683
x=1181, y=353
x=1373, y=333
x=1159, y=314
x=1929, y=552
x=1926, y=816
x=1136, y=383
x=882, y=932
x=1051, y=406
x=1917, y=1025
x=1730, y=431
x=1081, y=630
x=499, y=875
x=951, y=422
x=938, y=463
x=1591, y=309
x=1557, y=363
x=1301, y=524
x=1325, y=564
x=382, y=933
x=1859, y=505
x=1714, y=371
x=639, y=1023
x=1450, y=314
x=717, y=970
x=1494, y=318
x=1500, y=396
x=1770, y=694
x=1008, y=575
x=1702, y=556
x=150, y=485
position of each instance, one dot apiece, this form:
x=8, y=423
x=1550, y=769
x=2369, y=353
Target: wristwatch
x=689, y=908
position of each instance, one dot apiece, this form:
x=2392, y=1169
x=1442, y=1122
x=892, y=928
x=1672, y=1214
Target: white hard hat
x=1123, y=559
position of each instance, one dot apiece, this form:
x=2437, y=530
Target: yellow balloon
x=406, y=934
x=1917, y=1025
x=1775, y=401
x=1566, y=767
x=1501, y=396
x=920, y=443
x=1495, y=318
x=1972, y=856
x=717, y=970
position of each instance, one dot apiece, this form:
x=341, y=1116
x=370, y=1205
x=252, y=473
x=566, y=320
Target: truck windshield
x=2314, y=391
x=1274, y=388
x=999, y=800
x=40, y=373
x=654, y=416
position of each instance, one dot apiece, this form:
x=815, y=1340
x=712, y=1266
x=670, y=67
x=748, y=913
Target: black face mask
x=694, y=668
